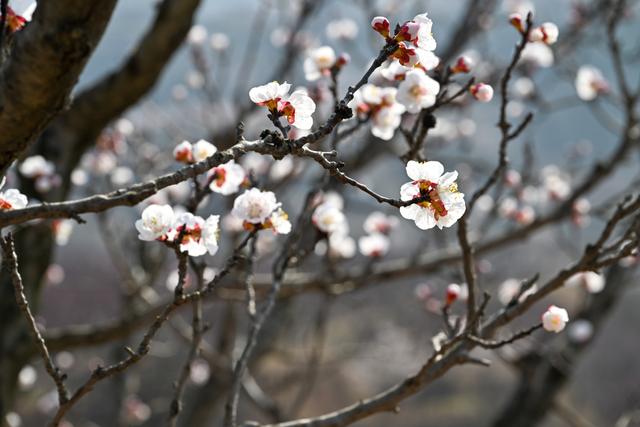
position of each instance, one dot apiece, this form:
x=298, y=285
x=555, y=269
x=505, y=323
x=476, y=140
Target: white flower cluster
x=195, y=235
x=378, y=226
x=321, y=61
x=185, y=152
x=260, y=210
x=225, y=179
x=441, y=204
x=11, y=199
x=415, y=40
x=41, y=171
x=329, y=219
x=380, y=105
x=297, y=108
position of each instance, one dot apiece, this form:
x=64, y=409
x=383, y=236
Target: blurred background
x=324, y=350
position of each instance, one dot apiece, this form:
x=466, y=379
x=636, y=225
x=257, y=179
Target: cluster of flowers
x=41, y=171
x=441, y=204
x=225, y=179
x=254, y=209
x=297, y=107
x=521, y=207
x=196, y=236
x=378, y=227
x=408, y=65
x=328, y=217
x=321, y=61
x=415, y=40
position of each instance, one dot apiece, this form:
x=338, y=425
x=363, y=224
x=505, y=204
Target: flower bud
x=463, y=65
x=555, y=319
x=381, y=25
x=452, y=294
x=546, y=33
x=482, y=92
x=515, y=19
x=343, y=60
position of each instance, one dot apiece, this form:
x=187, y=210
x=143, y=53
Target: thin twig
x=11, y=264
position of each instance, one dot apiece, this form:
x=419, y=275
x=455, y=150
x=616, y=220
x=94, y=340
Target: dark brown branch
x=46, y=60
x=92, y=110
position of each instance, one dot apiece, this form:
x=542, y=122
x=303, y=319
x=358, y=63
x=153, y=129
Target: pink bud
x=343, y=60
x=381, y=25
x=546, y=33
x=463, y=65
x=482, y=92
x=515, y=19
x=452, y=294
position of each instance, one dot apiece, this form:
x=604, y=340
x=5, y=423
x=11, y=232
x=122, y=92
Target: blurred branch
x=179, y=299
x=10, y=261
x=108, y=98
x=468, y=27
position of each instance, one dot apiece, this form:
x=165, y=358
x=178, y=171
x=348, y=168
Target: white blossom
x=341, y=245
x=254, y=206
x=328, y=218
x=227, y=178
x=546, y=33
x=386, y=120
x=374, y=245
x=197, y=35
x=342, y=29
x=279, y=222
x=219, y=41
x=538, y=54
x=463, y=64
x=296, y=108
x=303, y=108
x=378, y=222
x=443, y=204
x=270, y=94
x=593, y=282
x=555, y=319
x=156, y=222
x=425, y=38
x=202, y=150
x=417, y=91
x=183, y=152
x=590, y=83
x=12, y=199
x=381, y=25
x=319, y=62
x=36, y=166
x=198, y=236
